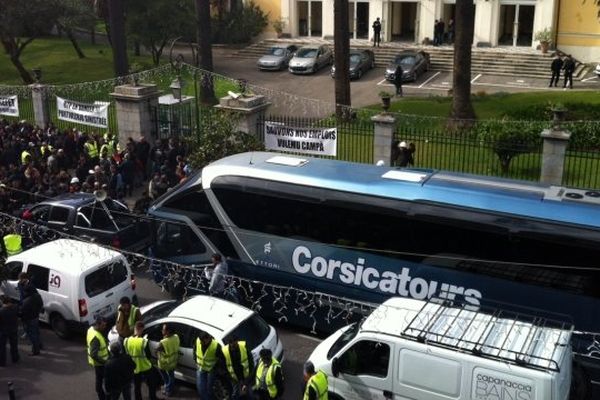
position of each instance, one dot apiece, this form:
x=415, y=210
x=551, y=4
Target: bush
x=508, y=139
x=240, y=26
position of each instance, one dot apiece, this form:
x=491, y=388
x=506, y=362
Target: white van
x=78, y=282
x=419, y=350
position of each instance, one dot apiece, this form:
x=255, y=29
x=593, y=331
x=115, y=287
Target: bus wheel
x=59, y=326
x=581, y=387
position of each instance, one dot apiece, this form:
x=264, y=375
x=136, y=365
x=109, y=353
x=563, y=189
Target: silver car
x=276, y=58
x=310, y=59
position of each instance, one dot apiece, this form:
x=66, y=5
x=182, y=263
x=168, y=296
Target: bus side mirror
x=335, y=367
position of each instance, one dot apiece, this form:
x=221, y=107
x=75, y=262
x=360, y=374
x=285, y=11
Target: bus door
x=181, y=241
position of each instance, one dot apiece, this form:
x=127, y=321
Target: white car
x=220, y=318
x=597, y=70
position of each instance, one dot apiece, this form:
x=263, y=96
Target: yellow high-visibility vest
x=319, y=384
x=243, y=360
x=102, y=351
x=136, y=348
x=12, y=244
x=269, y=377
x=167, y=359
x=206, y=360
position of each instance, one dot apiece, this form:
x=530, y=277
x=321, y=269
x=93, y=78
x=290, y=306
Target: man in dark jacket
x=569, y=67
x=240, y=367
x=30, y=312
x=556, y=66
x=9, y=327
x=118, y=373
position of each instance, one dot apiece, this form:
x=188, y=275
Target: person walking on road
x=118, y=373
x=376, y=32
x=316, y=383
x=168, y=355
x=208, y=355
x=32, y=305
x=569, y=67
x=127, y=317
x=398, y=80
x=240, y=366
x=137, y=348
x=9, y=328
x=555, y=67
x=217, y=276
x=269, y=377
x=97, y=350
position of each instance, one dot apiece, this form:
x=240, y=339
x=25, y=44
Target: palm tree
x=341, y=44
x=463, y=113
x=204, y=49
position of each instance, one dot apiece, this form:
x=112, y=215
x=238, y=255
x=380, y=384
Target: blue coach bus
x=369, y=232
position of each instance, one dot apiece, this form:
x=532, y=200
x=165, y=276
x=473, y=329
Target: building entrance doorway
x=404, y=17
x=516, y=24
x=310, y=18
x=358, y=14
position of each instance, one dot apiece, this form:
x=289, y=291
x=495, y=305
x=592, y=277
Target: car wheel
x=221, y=391
x=59, y=326
x=313, y=69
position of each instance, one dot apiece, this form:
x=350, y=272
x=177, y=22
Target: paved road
x=62, y=372
x=300, y=95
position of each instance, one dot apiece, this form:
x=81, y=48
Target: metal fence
x=354, y=138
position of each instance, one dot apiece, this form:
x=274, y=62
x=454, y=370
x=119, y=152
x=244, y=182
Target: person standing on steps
x=556, y=66
x=376, y=32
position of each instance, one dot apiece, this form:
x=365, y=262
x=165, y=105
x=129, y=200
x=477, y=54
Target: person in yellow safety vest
x=45, y=148
x=108, y=149
x=137, y=348
x=128, y=314
x=97, y=350
x=13, y=244
x=91, y=149
x=240, y=367
x=168, y=356
x=207, y=355
x=316, y=383
x=269, y=377
x=26, y=157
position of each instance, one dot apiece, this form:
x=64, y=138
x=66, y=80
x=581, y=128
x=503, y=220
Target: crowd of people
x=38, y=163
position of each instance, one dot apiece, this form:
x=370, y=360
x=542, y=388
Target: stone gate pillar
x=554, y=151
x=383, y=136
x=136, y=107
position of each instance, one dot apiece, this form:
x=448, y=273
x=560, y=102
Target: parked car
x=414, y=63
x=597, y=70
x=360, y=62
x=219, y=318
x=277, y=57
x=82, y=215
x=310, y=59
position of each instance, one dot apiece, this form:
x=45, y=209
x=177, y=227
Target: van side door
x=365, y=370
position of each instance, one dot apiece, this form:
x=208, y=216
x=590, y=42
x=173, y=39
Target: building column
x=555, y=148
x=136, y=112
x=485, y=32
x=41, y=111
x=383, y=136
x=250, y=110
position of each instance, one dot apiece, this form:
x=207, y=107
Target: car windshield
x=354, y=58
x=275, y=51
x=306, y=53
x=160, y=311
x=253, y=330
x=405, y=60
x=343, y=340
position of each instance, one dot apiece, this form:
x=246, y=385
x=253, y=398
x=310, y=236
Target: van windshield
x=343, y=340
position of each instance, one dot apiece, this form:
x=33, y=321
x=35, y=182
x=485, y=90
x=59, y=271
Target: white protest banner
x=83, y=113
x=319, y=141
x=9, y=105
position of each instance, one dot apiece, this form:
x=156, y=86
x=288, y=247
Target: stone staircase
x=504, y=61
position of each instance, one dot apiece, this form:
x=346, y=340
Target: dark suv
x=80, y=214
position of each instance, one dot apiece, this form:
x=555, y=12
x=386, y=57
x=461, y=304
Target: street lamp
x=37, y=74
x=177, y=89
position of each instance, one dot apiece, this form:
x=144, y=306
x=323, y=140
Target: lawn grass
x=60, y=64
x=492, y=106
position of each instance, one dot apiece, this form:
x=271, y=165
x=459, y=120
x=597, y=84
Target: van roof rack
x=510, y=336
